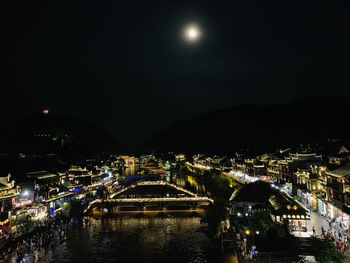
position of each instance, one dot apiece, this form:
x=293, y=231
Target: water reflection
x=139, y=237
x=186, y=181
x=144, y=239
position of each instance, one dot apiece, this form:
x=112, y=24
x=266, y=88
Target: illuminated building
x=8, y=194
x=78, y=176
x=48, y=190
x=46, y=111
x=262, y=196
x=339, y=157
x=180, y=157
x=337, y=203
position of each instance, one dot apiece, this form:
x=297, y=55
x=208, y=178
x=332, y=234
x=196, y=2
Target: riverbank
x=48, y=234
x=169, y=238
x=56, y=235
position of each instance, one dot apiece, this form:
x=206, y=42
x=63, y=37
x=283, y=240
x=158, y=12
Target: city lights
x=174, y=131
x=104, y=193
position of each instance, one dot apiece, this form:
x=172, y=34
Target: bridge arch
x=155, y=183
x=117, y=202
x=142, y=203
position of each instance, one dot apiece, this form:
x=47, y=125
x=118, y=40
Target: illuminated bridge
x=141, y=197
x=152, y=183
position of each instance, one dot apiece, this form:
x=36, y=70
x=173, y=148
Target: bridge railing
x=149, y=200
x=91, y=204
x=153, y=183
x=159, y=199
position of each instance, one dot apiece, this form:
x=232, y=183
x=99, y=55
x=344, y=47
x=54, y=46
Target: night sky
x=124, y=65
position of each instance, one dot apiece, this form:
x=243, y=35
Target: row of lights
x=295, y=207
x=294, y=216
x=284, y=216
x=248, y=232
x=239, y=214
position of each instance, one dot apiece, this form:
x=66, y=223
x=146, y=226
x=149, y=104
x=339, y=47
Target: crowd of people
x=339, y=237
x=246, y=251
x=45, y=235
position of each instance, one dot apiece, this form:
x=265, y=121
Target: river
x=171, y=238
x=139, y=237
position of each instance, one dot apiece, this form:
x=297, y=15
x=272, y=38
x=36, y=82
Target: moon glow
x=192, y=33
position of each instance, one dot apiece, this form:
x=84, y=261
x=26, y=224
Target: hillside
x=258, y=127
x=53, y=133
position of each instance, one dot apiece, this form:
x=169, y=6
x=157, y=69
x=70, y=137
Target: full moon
x=192, y=33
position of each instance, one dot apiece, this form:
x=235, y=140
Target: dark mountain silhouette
x=53, y=133
x=258, y=127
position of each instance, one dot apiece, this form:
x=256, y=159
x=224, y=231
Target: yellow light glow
x=40, y=216
x=247, y=231
x=192, y=33
x=4, y=222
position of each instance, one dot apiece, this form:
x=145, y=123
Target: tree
x=215, y=214
x=76, y=208
x=325, y=251
x=220, y=187
x=266, y=234
x=72, y=208
x=261, y=221
x=66, y=208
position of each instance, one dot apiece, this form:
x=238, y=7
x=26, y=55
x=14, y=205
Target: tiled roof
x=4, y=184
x=342, y=172
x=261, y=192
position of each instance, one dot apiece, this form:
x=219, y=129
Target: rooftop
x=41, y=175
x=342, y=172
x=260, y=192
